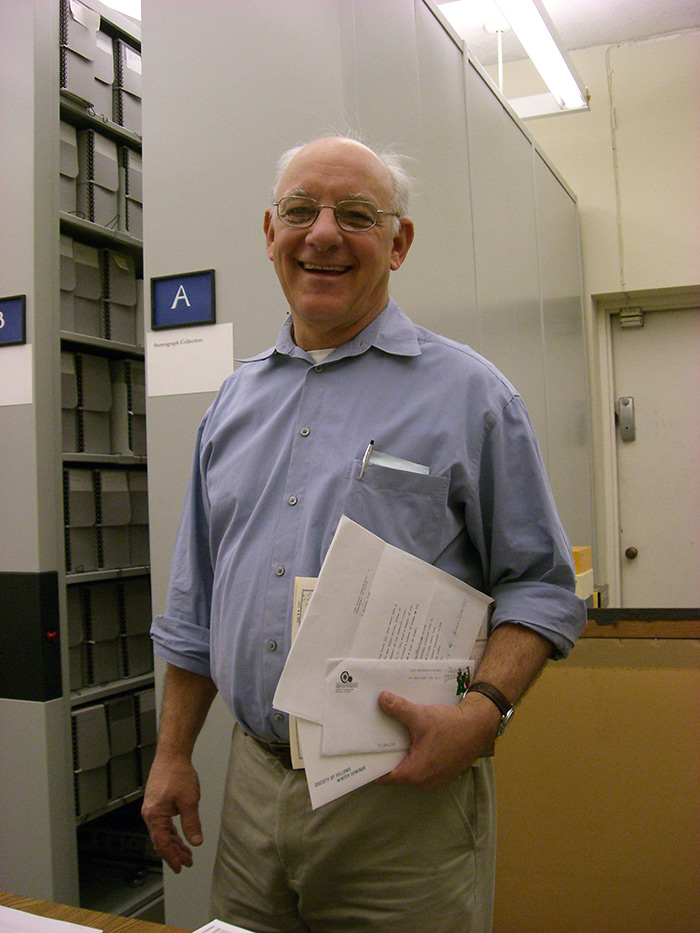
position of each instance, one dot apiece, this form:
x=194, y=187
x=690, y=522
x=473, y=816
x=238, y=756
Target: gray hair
x=403, y=183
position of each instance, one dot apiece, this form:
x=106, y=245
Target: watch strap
x=494, y=694
x=499, y=699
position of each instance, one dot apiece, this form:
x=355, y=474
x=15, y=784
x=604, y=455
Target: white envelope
x=353, y=721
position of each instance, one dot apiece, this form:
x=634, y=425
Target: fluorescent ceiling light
x=535, y=31
x=533, y=28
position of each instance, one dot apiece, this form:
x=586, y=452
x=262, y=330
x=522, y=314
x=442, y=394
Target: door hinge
x=631, y=317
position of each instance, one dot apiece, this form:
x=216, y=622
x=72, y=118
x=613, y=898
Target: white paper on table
x=353, y=721
x=373, y=600
x=330, y=777
x=20, y=921
x=219, y=926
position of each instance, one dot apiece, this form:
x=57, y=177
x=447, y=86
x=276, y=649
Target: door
x=658, y=367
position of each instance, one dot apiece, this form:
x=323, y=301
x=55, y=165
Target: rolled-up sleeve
x=528, y=557
x=181, y=635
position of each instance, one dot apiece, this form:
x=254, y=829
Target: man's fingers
x=170, y=847
x=191, y=827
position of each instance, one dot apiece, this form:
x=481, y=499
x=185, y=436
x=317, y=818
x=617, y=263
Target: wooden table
x=88, y=918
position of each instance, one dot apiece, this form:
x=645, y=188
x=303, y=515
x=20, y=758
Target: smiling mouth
x=323, y=270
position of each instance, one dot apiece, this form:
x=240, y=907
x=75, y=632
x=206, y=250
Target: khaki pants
x=392, y=859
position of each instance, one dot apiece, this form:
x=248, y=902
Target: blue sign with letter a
x=183, y=300
x=13, y=320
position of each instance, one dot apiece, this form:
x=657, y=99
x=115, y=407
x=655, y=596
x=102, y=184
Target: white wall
x=633, y=162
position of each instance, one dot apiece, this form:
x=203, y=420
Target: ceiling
x=581, y=24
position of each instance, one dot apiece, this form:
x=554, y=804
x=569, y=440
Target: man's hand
x=445, y=740
x=172, y=789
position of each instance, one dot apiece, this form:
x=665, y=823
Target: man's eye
x=357, y=215
x=299, y=212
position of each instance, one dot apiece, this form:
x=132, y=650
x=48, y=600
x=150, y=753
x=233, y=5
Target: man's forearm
x=187, y=698
x=514, y=657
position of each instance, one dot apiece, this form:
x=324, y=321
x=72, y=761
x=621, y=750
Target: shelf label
x=13, y=328
x=184, y=300
x=183, y=361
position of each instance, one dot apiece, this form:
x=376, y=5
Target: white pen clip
x=365, y=459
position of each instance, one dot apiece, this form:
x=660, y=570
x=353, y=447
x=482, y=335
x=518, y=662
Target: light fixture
x=535, y=31
x=531, y=23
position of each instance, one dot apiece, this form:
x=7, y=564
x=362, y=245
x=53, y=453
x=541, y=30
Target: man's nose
x=325, y=231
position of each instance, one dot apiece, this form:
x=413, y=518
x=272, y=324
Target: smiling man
x=278, y=460
x=335, y=275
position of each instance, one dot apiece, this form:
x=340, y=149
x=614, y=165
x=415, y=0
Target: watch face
x=505, y=719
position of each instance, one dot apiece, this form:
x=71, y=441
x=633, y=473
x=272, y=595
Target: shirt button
x=319, y=368
x=272, y=645
x=278, y=717
x=305, y=431
x=292, y=500
x=279, y=571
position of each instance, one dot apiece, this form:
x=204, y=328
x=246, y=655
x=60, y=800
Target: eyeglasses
x=351, y=215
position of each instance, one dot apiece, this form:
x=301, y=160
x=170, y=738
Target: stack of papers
x=376, y=619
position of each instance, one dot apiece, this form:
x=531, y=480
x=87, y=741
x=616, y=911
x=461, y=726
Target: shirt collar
x=391, y=331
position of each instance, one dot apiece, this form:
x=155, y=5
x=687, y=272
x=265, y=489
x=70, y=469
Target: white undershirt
x=320, y=355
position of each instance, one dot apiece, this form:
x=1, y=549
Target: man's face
x=335, y=281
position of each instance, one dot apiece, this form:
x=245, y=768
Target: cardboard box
x=95, y=403
x=69, y=381
x=88, y=276
x=81, y=549
x=127, y=66
x=139, y=546
x=77, y=75
x=127, y=111
x=115, y=501
x=121, y=724
x=91, y=791
x=104, y=76
x=146, y=719
x=68, y=163
x=121, y=297
x=146, y=755
x=98, y=178
x=583, y=558
x=79, y=25
x=131, y=191
x=123, y=775
x=585, y=584
x=136, y=592
x=104, y=625
x=78, y=44
x=90, y=737
x=67, y=281
x=69, y=403
x=128, y=423
x=77, y=659
x=138, y=496
x=139, y=654
x=79, y=499
x=104, y=661
x=96, y=381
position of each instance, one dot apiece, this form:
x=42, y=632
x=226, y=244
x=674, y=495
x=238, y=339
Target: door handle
x=625, y=418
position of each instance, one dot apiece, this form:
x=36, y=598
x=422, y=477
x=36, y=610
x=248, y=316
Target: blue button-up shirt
x=277, y=462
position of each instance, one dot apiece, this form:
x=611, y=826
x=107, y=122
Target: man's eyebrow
x=357, y=196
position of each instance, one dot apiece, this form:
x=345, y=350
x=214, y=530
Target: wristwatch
x=501, y=701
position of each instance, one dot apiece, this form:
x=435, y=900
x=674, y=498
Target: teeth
x=312, y=268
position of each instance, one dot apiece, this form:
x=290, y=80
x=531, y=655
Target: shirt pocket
x=408, y=510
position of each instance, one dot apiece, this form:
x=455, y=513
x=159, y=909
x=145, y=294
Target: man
x=277, y=462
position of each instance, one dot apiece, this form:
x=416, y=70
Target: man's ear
x=269, y=229
x=402, y=243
